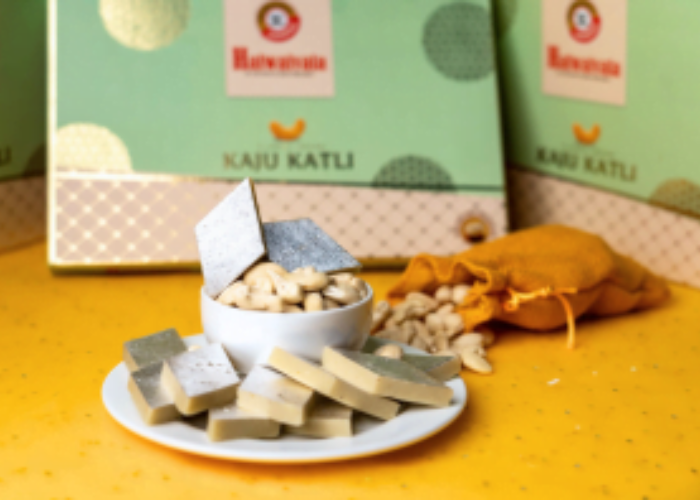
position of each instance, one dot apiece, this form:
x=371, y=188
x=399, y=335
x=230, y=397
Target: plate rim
x=231, y=455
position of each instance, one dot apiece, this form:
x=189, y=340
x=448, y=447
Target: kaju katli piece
x=323, y=382
x=300, y=243
x=152, y=349
x=201, y=379
x=328, y=419
x=153, y=402
x=391, y=378
x=275, y=396
x=232, y=422
x=230, y=239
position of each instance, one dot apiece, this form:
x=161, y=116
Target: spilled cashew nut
x=459, y=293
x=422, y=331
x=443, y=294
x=419, y=343
x=475, y=362
x=390, y=351
x=427, y=301
x=467, y=340
x=381, y=312
x=453, y=324
x=446, y=309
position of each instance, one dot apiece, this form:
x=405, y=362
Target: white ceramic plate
x=371, y=437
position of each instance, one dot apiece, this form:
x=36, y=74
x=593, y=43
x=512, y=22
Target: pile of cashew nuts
x=430, y=324
x=269, y=287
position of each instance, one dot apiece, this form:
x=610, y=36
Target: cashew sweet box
x=22, y=122
x=601, y=110
x=380, y=122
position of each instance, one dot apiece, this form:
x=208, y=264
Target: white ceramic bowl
x=250, y=336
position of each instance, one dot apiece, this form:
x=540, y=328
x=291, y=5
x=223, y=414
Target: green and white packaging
x=379, y=121
x=601, y=119
x=22, y=121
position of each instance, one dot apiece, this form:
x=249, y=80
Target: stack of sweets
x=281, y=267
x=291, y=394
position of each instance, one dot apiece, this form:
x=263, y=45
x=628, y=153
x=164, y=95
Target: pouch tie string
x=517, y=298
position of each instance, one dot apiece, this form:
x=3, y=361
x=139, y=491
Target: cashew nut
x=446, y=309
x=343, y=293
x=425, y=300
x=459, y=293
x=390, y=351
x=441, y=343
x=454, y=324
x=231, y=294
x=292, y=309
x=381, y=312
x=408, y=330
x=258, y=276
x=341, y=278
x=395, y=334
x=422, y=331
x=408, y=310
x=475, y=362
x=329, y=304
x=289, y=291
x=313, y=302
x=435, y=323
x=360, y=286
x=467, y=340
x=419, y=343
x=257, y=301
x=309, y=279
x=443, y=294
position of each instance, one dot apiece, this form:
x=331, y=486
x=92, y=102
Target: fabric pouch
x=538, y=279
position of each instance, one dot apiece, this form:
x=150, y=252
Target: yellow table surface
x=621, y=422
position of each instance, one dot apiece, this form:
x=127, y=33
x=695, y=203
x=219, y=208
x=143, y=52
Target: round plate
x=412, y=425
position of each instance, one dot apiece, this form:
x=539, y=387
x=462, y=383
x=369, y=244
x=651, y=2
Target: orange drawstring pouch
x=538, y=279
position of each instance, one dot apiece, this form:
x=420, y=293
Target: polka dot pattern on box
x=413, y=172
x=119, y=219
x=22, y=211
x=458, y=43
x=667, y=243
x=679, y=195
x=145, y=24
x=84, y=146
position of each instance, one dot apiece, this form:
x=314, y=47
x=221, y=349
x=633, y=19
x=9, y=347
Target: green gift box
x=22, y=121
x=600, y=122
x=377, y=120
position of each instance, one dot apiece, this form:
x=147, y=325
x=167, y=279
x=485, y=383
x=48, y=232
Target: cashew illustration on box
x=586, y=136
x=288, y=133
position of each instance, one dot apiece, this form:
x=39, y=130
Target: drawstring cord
x=517, y=298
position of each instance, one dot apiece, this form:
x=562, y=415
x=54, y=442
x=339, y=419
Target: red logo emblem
x=584, y=21
x=278, y=21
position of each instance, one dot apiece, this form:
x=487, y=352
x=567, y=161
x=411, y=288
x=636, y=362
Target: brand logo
x=278, y=21
x=588, y=66
x=243, y=61
x=584, y=21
